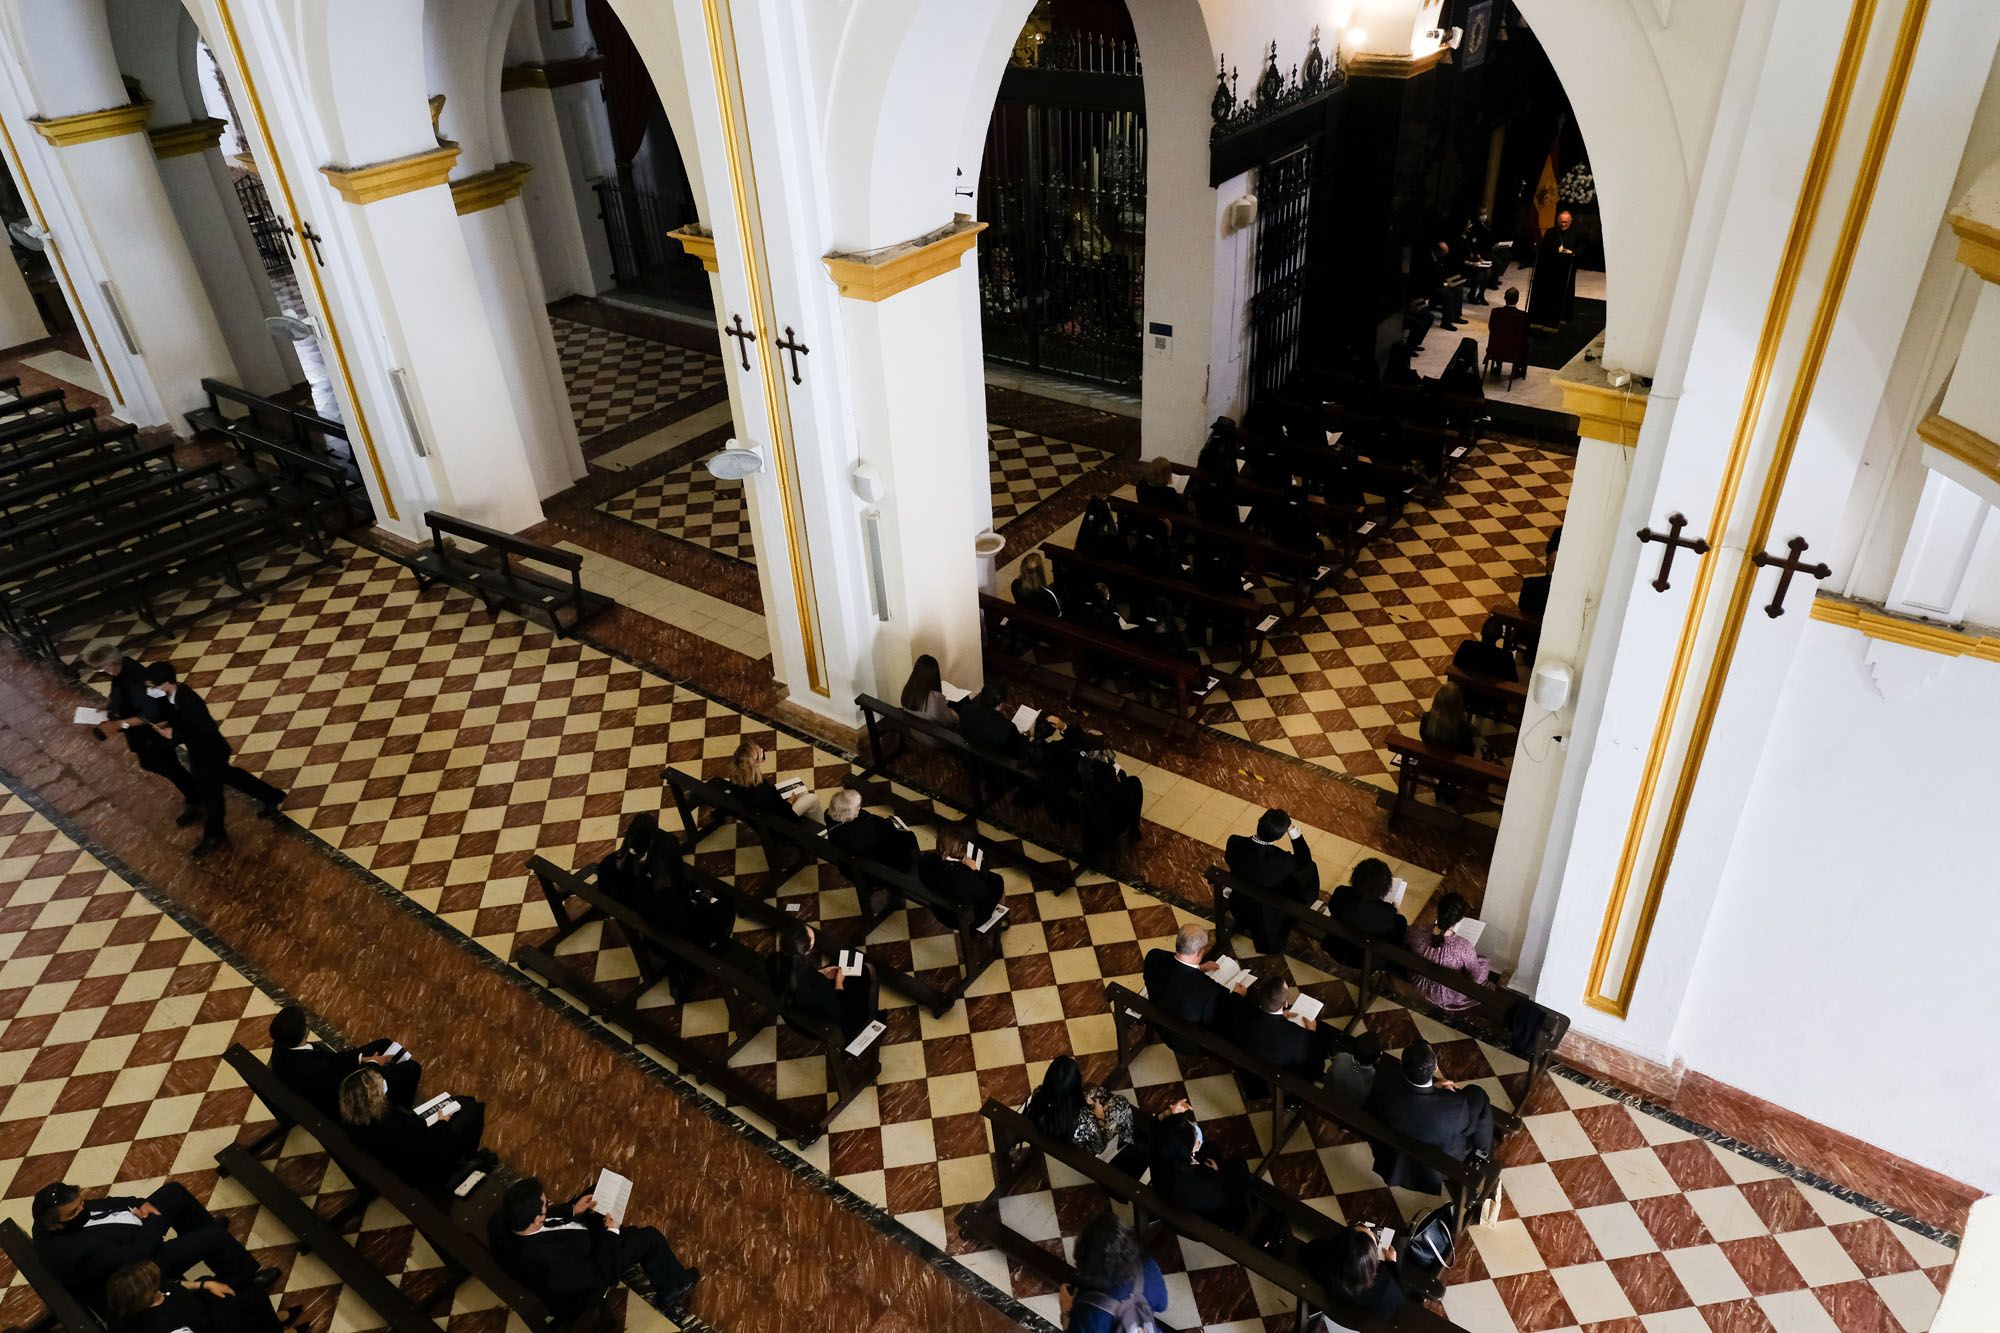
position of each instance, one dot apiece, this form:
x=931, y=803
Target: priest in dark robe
x=1554, y=295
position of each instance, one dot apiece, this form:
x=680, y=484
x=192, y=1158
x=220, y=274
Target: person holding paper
x=923, y=694
x=1181, y=983
x=1441, y=944
x=862, y=833
x=314, y=1071
x=982, y=723
x=956, y=871
x=1367, y=905
x=1156, y=487
x=1359, y=1266
x=127, y=708
x=1412, y=1098
x=140, y=1299
x=184, y=720
x=428, y=1150
x=747, y=781
x=1094, y=1118
x=84, y=1243
x=1278, y=861
x=1189, y=1176
x=795, y=973
x=572, y=1255
x=1260, y=1022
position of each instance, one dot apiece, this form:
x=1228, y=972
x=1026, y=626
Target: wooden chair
x=1507, y=341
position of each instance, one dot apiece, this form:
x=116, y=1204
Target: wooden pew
x=1494, y=1008
x=1241, y=610
x=319, y=1237
x=737, y=972
x=1016, y=1145
x=1336, y=520
x=114, y=508
x=1306, y=569
x=38, y=490
x=1490, y=695
x=1419, y=763
x=494, y=578
x=1186, y=682
x=1468, y=1180
x=61, y=1310
x=455, y=1229
x=978, y=946
x=297, y=444
x=60, y=453
x=19, y=434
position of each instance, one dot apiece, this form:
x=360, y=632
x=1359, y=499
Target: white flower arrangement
x=1578, y=185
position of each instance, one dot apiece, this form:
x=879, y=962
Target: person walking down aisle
x=185, y=721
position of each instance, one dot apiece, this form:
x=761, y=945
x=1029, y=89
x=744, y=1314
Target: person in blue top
x=1118, y=1290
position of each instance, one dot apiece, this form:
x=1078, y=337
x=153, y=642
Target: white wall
x=1847, y=970
x=1235, y=284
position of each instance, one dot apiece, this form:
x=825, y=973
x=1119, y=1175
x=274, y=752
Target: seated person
x=1259, y=1022
x=1213, y=495
x=571, y=1255
x=1278, y=861
x=1533, y=599
x=1440, y=944
x=1054, y=748
x=1410, y=1097
x=1096, y=1119
x=1179, y=981
x=1351, y=1072
x=1484, y=656
x=140, y=1300
x=1446, y=724
x=1358, y=1266
x=923, y=693
x=1363, y=905
x=1220, y=450
x=84, y=1243
x=746, y=781
x=1188, y=1176
x=1098, y=536
x=1462, y=374
x=862, y=833
x=1031, y=586
x=953, y=874
x=645, y=859
x=1110, y=800
x=1156, y=486
x=795, y=973
x=314, y=1071
x=681, y=907
x=1160, y=629
x=1117, y=1286
x=981, y=722
x=1098, y=610
x=428, y=1153
x=1507, y=332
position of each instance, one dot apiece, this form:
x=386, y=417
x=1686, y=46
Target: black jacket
x=570, y=1268
x=974, y=892
x=315, y=1073
x=127, y=697
x=1043, y=600
x=877, y=838
x=1287, y=873
x=1183, y=991
x=84, y=1257
x=194, y=726
x=1272, y=1038
x=988, y=728
x=1371, y=916
x=1445, y=1118
x=1203, y=1190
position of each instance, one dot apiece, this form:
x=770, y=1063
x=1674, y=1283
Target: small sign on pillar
x=1163, y=339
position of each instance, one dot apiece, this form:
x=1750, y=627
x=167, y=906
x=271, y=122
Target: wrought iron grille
x=1277, y=311
x=266, y=227
x=643, y=256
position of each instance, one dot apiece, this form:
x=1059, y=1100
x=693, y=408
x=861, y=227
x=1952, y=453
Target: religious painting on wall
x=1478, y=32
x=562, y=13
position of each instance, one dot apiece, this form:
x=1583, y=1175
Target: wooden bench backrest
x=69, y=1312
x=1181, y=589
x=444, y=525
x=1081, y=636
x=298, y=419
x=898, y=718
x=1438, y=759
x=1254, y=544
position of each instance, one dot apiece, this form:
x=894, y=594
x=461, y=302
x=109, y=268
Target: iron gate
x=643, y=257
x=266, y=228
x=1062, y=266
x=1277, y=311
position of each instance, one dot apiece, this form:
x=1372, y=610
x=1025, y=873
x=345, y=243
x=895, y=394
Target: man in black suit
x=1179, y=982
x=981, y=722
x=1278, y=861
x=1457, y=1121
x=571, y=1254
x=314, y=1071
x=1363, y=905
x=129, y=710
x=84, y=1243
x=861, y=833
x=1259, y=1022
x=186, y=721
x=954, y=873
x=1188, y=1176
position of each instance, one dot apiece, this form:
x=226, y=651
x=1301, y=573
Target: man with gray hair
x=862, y=833
x=1179, y=982
x=132, y=713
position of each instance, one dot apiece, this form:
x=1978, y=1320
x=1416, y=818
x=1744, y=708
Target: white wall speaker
x=1549, y=687
x=1243, y=212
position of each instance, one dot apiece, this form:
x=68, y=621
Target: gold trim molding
x=700, y=244
x=880, y=274
x=1978, y=245
x=1383, y=65
x=554, y=74
x=399, y=175
x=90, y=126
x=1602, y=412
x=1961, y=444
x=489, y=188
x=196, y=136
x=1876, y=623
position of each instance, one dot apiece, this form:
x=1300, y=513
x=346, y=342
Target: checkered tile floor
x=690, y=504
x=113, y=1021
x=1363, y=664
x=440, y=750
x=614, y=377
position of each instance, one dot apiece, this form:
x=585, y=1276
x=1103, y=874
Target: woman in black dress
x=429, y=1154
x=1356, y=1266
x=136, y=1304
x=796, y=974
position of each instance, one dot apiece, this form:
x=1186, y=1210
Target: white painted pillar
x=20, y=321
x=586, y=149
x=549, y=198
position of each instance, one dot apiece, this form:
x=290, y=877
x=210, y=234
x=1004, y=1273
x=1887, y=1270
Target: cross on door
x=743, y=336
x=1790, y=564
x=306, y=232
x=1674, y=542
x=798, y=349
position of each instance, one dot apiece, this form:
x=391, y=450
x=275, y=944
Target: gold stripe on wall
x=1805, y=215
x=20, y=170
x=1820, y=333
x=784, y=464
x=311, y=270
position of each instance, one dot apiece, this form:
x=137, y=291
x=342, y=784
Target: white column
x=586, y=150
x=20, y=321
x=550, y=197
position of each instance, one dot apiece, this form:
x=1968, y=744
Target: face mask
x=157, y=691
x=1199, y=1139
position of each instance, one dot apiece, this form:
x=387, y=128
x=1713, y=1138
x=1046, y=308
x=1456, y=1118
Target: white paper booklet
x=867, y=1038
x=1179, y=483
x=999, y=914
x=851, y=962
x=1469, y=930
x=91, y=717
x=612, y=1193
x=1025, y=719
x=952, y=693
x=1397, y=888
x=1306, y=1009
